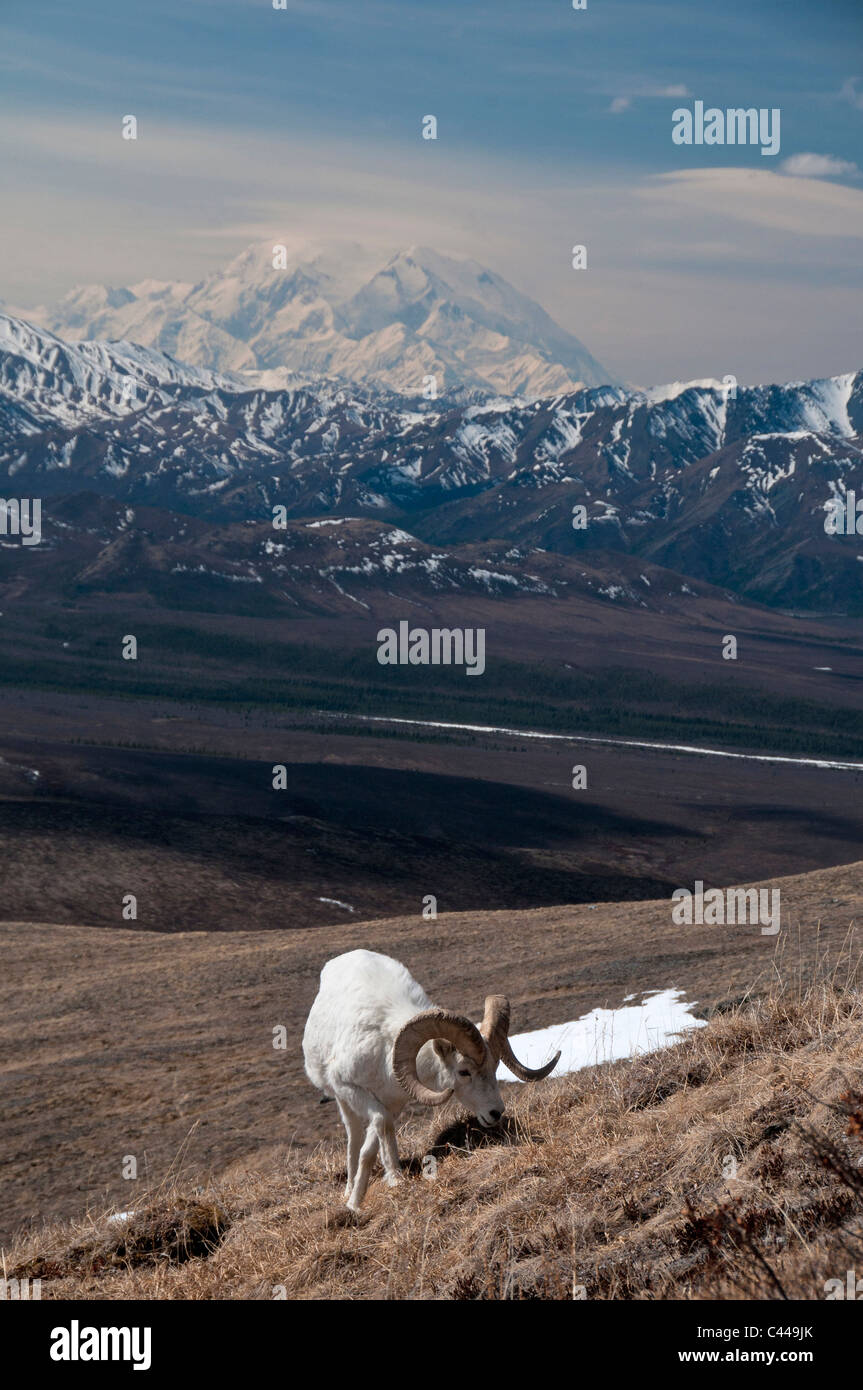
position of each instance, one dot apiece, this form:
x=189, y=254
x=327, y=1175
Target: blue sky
x=554, y=127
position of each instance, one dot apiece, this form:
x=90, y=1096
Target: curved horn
x=433, y=1023
x=495, y=1030
x=495, y=1022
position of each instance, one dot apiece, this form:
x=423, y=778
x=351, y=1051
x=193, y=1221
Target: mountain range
x=723, y=486
x=304, y=310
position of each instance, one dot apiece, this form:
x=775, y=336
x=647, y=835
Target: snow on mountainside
x=337, y=311
x=71, y=383
x=725, y=487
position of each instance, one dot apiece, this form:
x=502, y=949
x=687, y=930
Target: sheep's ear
x=444, y=1049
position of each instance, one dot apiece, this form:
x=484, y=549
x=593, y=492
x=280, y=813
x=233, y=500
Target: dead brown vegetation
x=730, y=1165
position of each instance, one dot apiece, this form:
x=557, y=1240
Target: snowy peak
x=339, y=310
x=74, y=384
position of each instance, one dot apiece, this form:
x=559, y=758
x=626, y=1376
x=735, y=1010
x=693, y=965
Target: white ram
x=374, y=1041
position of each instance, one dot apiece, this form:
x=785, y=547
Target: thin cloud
x=818, y=166
x=848, y=92
x=783, y=202
x=623, y=103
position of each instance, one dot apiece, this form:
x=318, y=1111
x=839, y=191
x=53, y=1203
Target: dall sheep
x=374, y=1041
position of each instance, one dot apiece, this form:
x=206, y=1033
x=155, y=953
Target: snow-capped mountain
x=73, y=383
x=337, y=311
x=726, y=487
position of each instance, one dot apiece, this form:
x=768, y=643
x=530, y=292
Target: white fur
x=364, y=1001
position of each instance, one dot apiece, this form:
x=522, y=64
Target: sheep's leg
x=380, y=1135
x=354, y=1126
x=364, y=1167
x=389, y=1149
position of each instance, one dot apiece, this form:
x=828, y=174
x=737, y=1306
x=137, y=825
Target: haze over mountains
x=339, y=310
x=723, y=486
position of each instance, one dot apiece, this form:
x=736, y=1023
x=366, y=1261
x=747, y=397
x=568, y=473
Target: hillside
x=727, y=1166
x=145, y=1044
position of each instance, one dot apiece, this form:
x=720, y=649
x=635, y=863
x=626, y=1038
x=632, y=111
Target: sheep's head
x=470, y=1056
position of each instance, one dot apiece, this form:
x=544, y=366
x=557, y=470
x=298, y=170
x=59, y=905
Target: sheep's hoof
x=393, y=1179
x=340, y=1218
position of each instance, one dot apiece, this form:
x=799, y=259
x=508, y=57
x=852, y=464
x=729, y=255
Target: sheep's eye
x=464, y=1073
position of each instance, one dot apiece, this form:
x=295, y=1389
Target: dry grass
x=616, y=1179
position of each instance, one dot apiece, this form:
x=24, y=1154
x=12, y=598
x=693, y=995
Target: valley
x=236, y=733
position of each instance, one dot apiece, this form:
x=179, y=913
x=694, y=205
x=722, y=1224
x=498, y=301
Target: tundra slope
x=90, y=1027
x=614, y=1179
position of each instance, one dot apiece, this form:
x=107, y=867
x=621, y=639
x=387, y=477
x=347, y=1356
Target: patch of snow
x=606, y=1035
x=697, y=750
